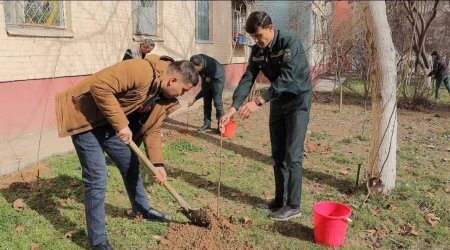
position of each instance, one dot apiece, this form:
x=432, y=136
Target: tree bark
x=381, y=170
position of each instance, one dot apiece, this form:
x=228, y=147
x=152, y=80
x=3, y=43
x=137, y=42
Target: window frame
x=36, y=30
x=158, y=36
x=210, y=23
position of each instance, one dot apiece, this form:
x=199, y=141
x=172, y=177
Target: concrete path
x=22, y=152
x=19, y=153
x=326, y=84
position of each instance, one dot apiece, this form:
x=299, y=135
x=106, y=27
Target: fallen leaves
x=431, y=146
x=73, y=183
x=62, y=203
x=34, y=246
x=19, y=228
x=403, y=197
x=344, y=171
x=246, y=220
x=19, y=204
x=128, y=213
x=432, y=219
x=391, y=207
x=377, y=212
x=69, y=234
x=139, y=218
x=408, y=229
x=376, y=234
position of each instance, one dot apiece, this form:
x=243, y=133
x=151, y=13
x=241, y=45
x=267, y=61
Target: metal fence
x=45, y=13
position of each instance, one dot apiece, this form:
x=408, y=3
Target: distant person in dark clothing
x=139, y=51
x=213, y=82
x=441, y=73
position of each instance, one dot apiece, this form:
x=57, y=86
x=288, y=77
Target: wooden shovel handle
x=152, y=168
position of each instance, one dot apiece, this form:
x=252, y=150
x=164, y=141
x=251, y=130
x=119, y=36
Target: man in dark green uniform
x=213, y=82
x=280, y=56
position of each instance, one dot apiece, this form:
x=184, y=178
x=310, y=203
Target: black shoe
x=285, y=213
x=104, y=246
x=155, y=215
x=272, y=205
x=204, y=128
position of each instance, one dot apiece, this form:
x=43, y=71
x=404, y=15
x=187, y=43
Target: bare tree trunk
x=340, y=85
x=381, y=170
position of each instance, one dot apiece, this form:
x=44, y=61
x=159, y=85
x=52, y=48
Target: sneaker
x=204, y=128
x=155, y=215
x=104, y=246
x=285, y=213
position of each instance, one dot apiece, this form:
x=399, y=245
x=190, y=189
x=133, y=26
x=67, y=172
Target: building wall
x=34, y=69
x=102, y=31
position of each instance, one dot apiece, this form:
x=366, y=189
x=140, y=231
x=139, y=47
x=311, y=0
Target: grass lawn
x=415, y=215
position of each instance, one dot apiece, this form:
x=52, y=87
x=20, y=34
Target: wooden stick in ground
x=187, y=121
x=220, y=174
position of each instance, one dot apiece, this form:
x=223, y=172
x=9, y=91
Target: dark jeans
x=288, y=123
x=439, y=80
x=90, y=147
x=214, y=94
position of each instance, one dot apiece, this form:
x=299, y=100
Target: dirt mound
x=318, y=148
x=29, y=174
x=219, y=235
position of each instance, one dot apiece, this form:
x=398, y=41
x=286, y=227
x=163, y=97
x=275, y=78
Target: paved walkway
x=22, y=152
x=326, y=84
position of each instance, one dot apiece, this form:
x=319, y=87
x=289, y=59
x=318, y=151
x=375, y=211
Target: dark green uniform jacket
x=284, y=63
x=212, y=73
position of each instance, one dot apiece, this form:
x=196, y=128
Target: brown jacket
x=111, y=94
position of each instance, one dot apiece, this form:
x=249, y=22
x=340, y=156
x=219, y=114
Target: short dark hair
x=196, y=60
x=186, y=70
x=435, y=53
x=257, y=19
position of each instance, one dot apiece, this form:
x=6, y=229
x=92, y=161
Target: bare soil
x=29, y=175
x=219, y=235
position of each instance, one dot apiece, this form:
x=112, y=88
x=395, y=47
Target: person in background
x=213, y=82
x=140, y=50
x=441, y=73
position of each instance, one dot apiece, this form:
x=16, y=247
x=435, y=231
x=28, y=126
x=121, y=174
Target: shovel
x=196, y=216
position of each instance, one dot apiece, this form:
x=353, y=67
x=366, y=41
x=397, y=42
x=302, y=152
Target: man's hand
x=247, y=109
x=162, y=177
x=226, y=118
x=191, y=103
x=125, y=135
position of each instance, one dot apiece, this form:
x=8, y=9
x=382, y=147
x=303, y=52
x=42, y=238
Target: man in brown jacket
x=104, y=112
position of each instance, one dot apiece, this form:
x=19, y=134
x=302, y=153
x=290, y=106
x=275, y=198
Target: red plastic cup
x=330, y=223
x=230, y=128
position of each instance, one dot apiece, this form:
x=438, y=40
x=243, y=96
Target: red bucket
x=230, y=128
x=330, y=223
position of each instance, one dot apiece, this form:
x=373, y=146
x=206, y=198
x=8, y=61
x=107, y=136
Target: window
x=202, y=20
x=239, y=14
x=316, y=36
x=145, y=18
x=45, y=13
